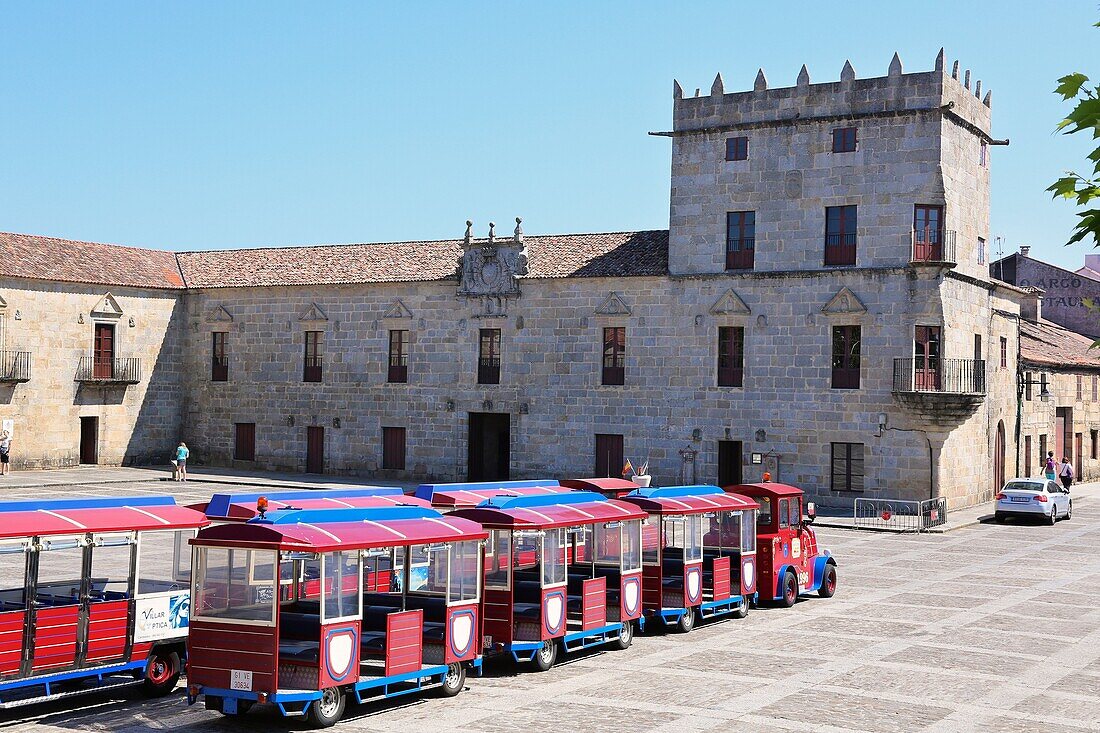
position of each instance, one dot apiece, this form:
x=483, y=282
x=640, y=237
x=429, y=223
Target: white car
x=1033, y=497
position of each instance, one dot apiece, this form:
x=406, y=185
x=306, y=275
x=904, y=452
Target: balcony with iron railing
x=15, y=367
x=945, y=390
x=933, y=247
x=488, y=371
x=840, y=249
x=740, y=253
x=109, y=370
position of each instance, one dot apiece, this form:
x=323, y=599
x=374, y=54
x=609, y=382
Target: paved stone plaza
x=987, y=628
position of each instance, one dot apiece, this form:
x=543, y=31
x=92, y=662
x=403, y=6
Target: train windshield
x=632, y=545
x=236, y=585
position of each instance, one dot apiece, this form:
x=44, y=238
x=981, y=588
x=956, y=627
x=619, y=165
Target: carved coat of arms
x=489, y=269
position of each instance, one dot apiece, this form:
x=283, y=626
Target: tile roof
x=48, y=258
x=611, y=254
x=1050, y=345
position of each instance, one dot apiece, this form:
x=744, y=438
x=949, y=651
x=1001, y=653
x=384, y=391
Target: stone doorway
x=488, y=443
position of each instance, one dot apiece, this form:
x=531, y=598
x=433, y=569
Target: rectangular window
x=1004, y=353
x=844, y=140
x=1042, y=385
x=488, y=356
x=614, y=355
x=740, y=240
x=983, y=155
x=1042, y=450
x=847, y=467
x=981, y=250
x=244, y=441
x=398, y=372
x=1094, y=387
x=1027, y=385
x=1080, y=387
x=731, y=356
x=1027, y=455
x=840, y=235
x=219, y=357
x=928, y=236
x=846, y=344
x=1095, y=435
x=251, y=576
x=311, y=371
x=393, y=449
x=737, y=148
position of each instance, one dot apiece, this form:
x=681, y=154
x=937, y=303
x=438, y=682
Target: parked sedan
x=1033, y=497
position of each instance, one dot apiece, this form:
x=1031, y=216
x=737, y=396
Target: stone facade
x=923, y=139
x=1065, y=296
x=55, y=323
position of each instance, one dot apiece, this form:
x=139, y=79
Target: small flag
x=627, y=468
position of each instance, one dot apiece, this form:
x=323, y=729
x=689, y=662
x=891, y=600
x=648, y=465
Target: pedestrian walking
x=1049, y=471
x=181, y=461
x=5, y=452
x=1066, y=473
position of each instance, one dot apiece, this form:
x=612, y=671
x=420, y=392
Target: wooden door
x=89, y=440
x=488, y=446
x=609, y=456
x=926, y=358
x=927, y=233
x=1078, y=442
x=729, y=462
x=315, y=449
x=103, y=351
x=1063, y=422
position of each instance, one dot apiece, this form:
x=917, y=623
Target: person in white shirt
x=1065, y=472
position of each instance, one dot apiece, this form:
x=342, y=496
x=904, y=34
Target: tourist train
x=303, y=599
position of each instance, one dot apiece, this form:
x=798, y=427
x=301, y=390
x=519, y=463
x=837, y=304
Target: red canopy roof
x=611, y=487
x=766, y=488
x=329, y=536
x=548, y=516
x=243, y=511
x=443, y=498
x=40, y=522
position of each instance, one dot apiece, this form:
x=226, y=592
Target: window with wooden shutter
x=846, y=346
x=847, y=467
x=312, y=367
x=840, y=235
x=488, y=356
x=219, y=357
x=731, y=356
x=740, y=240
x=244, y=441
x=614, y=356
x=398, y=371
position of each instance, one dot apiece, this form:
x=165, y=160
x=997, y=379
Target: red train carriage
x=791, y=562
x=395, y=608
x=93, y=595
x=448, y=497
x=698, y=553
x=562, y=569
x=245, y=506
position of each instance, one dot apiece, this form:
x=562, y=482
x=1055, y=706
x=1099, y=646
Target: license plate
x=240, y=680
x=1021, y=499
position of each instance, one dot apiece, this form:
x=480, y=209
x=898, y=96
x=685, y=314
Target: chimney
x=1024, y=249
x=1031, y=305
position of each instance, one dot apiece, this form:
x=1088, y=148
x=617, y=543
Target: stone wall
x=55, y=322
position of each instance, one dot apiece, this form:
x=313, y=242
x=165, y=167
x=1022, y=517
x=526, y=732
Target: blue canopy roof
x=425, y=491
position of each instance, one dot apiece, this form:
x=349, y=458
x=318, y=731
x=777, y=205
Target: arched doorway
x=999, y=458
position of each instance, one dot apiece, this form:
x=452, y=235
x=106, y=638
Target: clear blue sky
x=198, y=125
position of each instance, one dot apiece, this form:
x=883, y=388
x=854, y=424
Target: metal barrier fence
x=899, y=515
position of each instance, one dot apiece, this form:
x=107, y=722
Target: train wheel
x=546, y=656
x=686, y=622
x=743, y=610
x=162, y=672
x=790, y=590
x=625, y=636
x=828, y=583
x=324, y=713
x=454, y=680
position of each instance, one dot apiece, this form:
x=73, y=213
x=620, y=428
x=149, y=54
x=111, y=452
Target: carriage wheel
x=454, y=680
x=546, y=655
x=686, y=622
x=625, y=637
x=162, y=671
x=743, y=610
x=790, y=590
x=828, y=583
x=325, y=712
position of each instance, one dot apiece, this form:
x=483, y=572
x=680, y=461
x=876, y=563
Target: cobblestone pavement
x=988, y=628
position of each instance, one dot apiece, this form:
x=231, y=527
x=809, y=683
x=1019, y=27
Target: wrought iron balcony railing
x=15, y=366
x=942, y=376
x=934, y=246
x=109, y=370
x=740, y=253
x=840, y=249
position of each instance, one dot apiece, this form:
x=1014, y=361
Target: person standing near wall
x=1065, y=473
x=181, y=461
x=5, y=452
x=1049, y=470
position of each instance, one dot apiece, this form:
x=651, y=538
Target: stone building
x=1066, y=294
x=820, y=307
